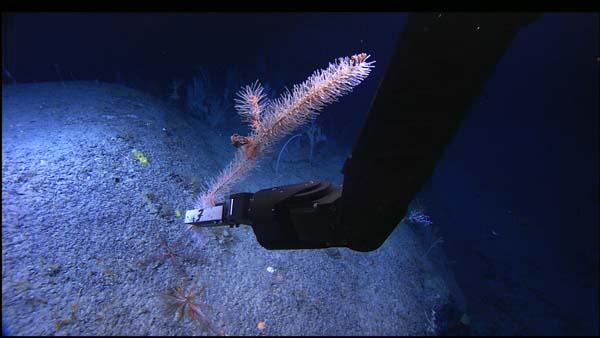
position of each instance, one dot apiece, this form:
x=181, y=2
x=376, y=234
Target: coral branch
x=271, y=121
x=250, y=104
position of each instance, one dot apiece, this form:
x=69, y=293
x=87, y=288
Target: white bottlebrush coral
x=270, y=121
x=417, y=216
x=251, y=104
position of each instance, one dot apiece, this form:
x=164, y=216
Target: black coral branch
x=270, y=121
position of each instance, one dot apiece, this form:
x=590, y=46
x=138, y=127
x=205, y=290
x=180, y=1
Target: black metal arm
x=440, y=64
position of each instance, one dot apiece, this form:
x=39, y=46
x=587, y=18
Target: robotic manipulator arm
x=441, y=62
x=298, y=216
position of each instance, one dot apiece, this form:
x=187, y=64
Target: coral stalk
x=270, y=121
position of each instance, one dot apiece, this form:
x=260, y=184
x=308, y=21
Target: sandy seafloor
x=79, y=212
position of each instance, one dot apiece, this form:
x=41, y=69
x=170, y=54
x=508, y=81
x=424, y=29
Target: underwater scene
x=315, y=173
